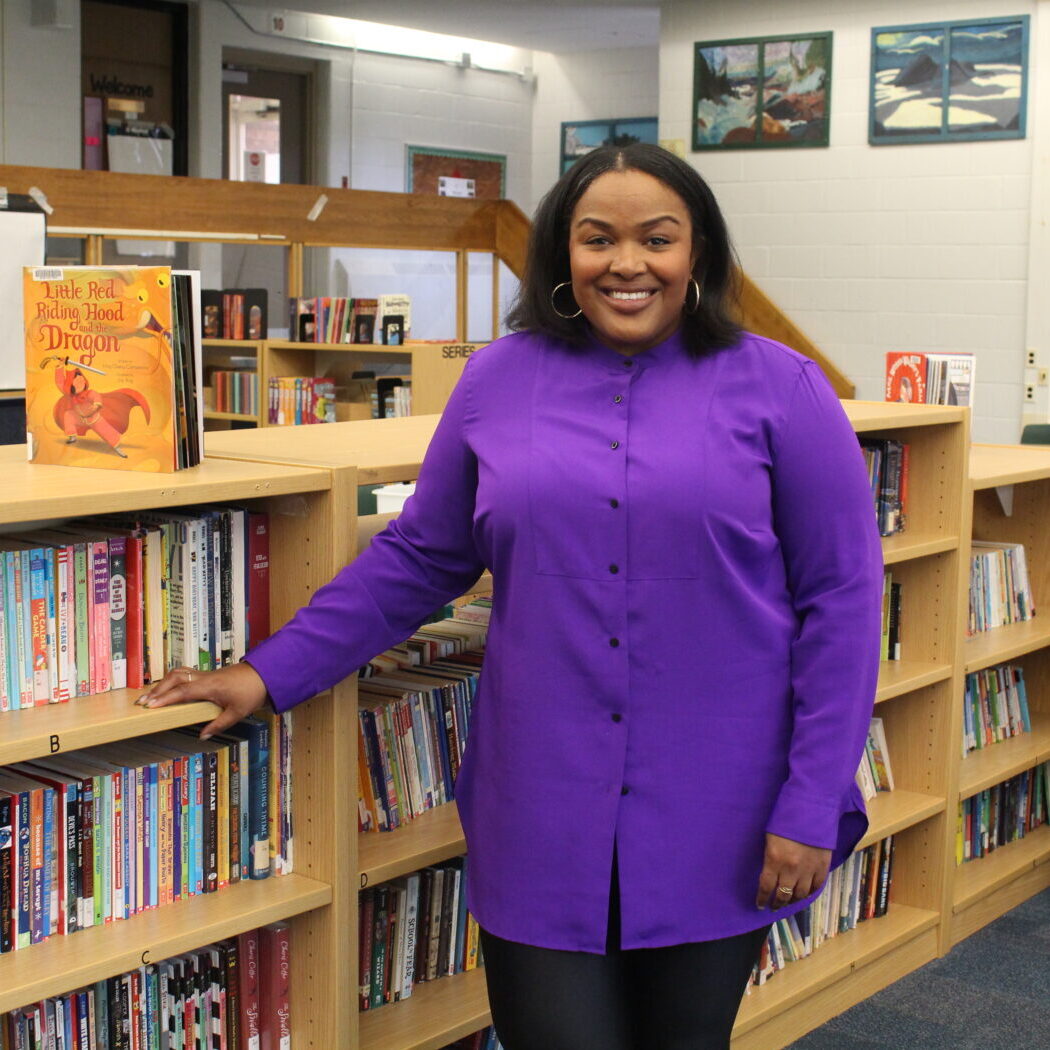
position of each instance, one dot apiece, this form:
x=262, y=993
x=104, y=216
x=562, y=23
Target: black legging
x=683, y=997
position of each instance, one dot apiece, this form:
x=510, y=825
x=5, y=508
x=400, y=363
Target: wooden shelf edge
x=60, y=964
x=429, y=839
x=890, y=812
x=833, y=961
x=897, y=677
x=998, y=762
x=1005, y=643
x=89, y=720
x=907, y=547
x=436, y=1013
x=211, y=414
x=976, y=879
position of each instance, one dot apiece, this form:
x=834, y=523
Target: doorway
x=266, y=120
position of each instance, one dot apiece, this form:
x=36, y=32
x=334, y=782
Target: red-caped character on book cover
x=82, y=408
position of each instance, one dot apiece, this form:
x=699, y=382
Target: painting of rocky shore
x=955, y=80
x=770, y=92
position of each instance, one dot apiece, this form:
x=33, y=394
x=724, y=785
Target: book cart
x=307, y=543
x=1010, y=487
x=918, y=700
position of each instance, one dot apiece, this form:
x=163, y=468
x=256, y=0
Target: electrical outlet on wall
x=1029, y=393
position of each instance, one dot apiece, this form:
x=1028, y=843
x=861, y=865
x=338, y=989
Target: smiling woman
x=631, y=256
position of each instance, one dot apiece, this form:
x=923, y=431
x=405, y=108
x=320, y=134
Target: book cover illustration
x=99, y=367
x=906, y=377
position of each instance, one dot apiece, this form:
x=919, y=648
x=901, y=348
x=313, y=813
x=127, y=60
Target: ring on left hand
x=785, y=891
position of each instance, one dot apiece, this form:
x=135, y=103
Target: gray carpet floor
x=991, y=992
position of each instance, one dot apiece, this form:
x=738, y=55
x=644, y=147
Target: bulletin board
x=424, y=165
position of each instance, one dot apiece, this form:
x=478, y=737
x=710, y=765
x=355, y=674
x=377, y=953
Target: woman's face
x=631, y=257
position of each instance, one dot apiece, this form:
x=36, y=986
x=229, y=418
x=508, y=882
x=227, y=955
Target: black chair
x=1036, y=434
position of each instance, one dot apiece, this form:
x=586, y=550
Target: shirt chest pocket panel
x=605, y=511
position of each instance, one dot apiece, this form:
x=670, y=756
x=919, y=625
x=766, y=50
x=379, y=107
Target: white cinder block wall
x=39, y=88
x=870, y=249
x=586, y=85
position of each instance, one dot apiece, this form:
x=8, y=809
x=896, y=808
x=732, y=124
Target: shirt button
x=625, y=790
x=614, y=503
x=618, y=399
x=614, y=444
x=614, y=642
x=617, y=717
x=614, y=569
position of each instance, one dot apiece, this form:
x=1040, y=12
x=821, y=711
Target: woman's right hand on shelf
x=237, y=689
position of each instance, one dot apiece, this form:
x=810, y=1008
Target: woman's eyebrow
x=644, y=225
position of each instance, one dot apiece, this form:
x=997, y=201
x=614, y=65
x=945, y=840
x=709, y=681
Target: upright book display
x=113, y=361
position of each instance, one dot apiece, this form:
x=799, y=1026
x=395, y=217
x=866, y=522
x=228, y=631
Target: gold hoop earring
x=696, y=305
x=554, y=305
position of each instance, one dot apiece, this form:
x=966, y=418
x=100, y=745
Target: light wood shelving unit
x=308, y=477
x=307, y=544
x=1010, y=496
x=916, y=698
x=434, y=368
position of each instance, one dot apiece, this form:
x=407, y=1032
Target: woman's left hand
x=791, y=870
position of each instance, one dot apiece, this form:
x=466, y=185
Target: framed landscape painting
x=762, y=92
x=579, y=137
x=949, y=81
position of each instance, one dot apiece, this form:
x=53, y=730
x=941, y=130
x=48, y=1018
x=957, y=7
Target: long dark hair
x=547, y=265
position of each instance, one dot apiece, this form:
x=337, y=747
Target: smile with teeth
x=628, y=296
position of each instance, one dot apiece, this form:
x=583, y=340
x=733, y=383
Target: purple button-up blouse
x=683, y=650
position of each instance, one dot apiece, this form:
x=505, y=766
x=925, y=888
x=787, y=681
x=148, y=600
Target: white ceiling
x=542, y=25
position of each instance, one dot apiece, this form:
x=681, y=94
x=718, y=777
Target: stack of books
x=112, y=603
x=231, y=994
x=857, y=891
x=414, y=929
x=1003, y=813
x=995, y=707
x=931, y=379
x=999, y=590
x=104, y=833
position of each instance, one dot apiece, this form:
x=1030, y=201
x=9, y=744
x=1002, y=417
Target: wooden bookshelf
x=307, y=544
x=1009, y=493
x=917, y=701
x=436, y=1013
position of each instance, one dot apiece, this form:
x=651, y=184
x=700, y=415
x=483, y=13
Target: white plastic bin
x=391, y=498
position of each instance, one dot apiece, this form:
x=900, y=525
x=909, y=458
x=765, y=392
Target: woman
x=684, y=642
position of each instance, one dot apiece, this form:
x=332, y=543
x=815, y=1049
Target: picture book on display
x=930, y=379
x=113, y=366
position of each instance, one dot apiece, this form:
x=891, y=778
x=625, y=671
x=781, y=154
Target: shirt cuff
x=803, y=818
x=271, y=659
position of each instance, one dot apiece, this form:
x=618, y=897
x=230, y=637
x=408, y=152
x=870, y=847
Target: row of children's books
x=234, y=390
x=113, y=367
x=98, y=835
x=414, y=727
x=855, y=892
x=298, y=400
x=234, y=313
x=875, y=774
x=995, y=707
x=231, y=995
x=999, y=590
x=107, y=603
x=887, y=462
x=931, y=379
x=414, y=929
x=890, y=645
x=1003, y=813
x=334, y=319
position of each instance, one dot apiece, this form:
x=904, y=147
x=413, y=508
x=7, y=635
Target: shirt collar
x=672, y=346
